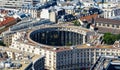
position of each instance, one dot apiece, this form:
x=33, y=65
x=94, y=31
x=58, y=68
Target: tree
x=1, y=43
x=76, y=23
x=109, y=38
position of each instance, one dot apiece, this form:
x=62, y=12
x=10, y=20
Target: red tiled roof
x=89, y=17
x=7, y=21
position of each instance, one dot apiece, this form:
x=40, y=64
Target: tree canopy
x=76, y=23
x=1, y=43
x=109, y=38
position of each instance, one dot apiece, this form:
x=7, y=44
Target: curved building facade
x=38, y=64
x=51, y=36
x=76, y=56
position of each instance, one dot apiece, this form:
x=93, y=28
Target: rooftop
x=24, y=62
x=24, y=65
x=6, y=21
x=107, y=21
x=110, y=30
x=56, y=49
x=116, y=44
x=89, y=17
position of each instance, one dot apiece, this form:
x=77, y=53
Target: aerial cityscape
x=59, y=34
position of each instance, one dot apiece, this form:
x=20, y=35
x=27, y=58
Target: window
x=112, y=25
x=99, y=24
x=117, y=26
x=103, y=24
x=32, y=51
x=107, y=53
x=27, y=49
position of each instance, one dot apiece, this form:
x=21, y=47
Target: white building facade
x=62, y=58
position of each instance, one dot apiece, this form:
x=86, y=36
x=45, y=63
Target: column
x=61, y=37
x=65, y=38
x=84, y=39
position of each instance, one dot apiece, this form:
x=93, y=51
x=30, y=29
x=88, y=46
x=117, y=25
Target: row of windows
x=108, y=25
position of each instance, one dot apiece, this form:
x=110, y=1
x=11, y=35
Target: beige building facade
x=62, y=58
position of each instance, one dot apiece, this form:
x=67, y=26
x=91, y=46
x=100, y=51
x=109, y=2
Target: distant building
x=35, y=13
x=107, y=63
x=53, y=17
x=12, y=3
x=68, y=18
x=3, y=12
x=69, y=9
x=88, y=3
x=17, y=3
x=45, y=14
x=38, y=10
x=43, y=1
x=56, y=11
x=109, y=9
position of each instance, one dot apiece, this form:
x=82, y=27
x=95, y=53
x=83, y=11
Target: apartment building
x=16, y=3
x=110, y=9
x=62, y=58
x=67, y=58
x=107, y=25
x=12, y=3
